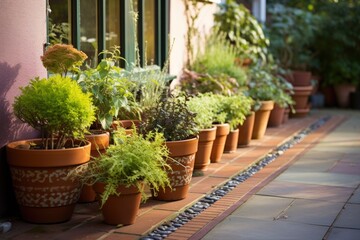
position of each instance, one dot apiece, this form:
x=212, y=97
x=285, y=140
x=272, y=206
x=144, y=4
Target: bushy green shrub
x=203, y=106
x=56, y=107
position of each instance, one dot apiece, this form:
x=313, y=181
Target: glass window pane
x=150, y=31
x=112, y=37
x=88, y=31
x=59, y=21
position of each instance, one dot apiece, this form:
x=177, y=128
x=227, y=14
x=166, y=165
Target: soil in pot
x=261, y=119
x=205, y=144
x=120, y=209
x=222, y=130
x=231, y=141
x=181, y=160
x=245, y=130
x=43, y=190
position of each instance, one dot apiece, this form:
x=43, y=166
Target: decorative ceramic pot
x=246, y=130
x=222, y=130
x=206, y=141
x=43, y=190
x=122, y=208
x=261, y=119
x=181, y=160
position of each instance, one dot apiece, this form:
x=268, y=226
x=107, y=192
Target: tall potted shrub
x=172, y=117
x=61, y=112
x=119, y=176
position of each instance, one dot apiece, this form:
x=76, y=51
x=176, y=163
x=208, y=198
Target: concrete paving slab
x=356, y=197
x=349, y=217
x=255, y=229
x=263, y=207
x=344, y=234
x=328, y=179
x=346, y=167
x=307, y=191
x=313, y=165
x=312, y=212
x=328, y=155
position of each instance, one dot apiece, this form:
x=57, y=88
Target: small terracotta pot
x=100, y=141
x=261, y=119
x=129, y=125
x=120, y=209
x=300, y=113
x=286, y=115
x=181, y=160
x=245, y=130
x=40, y=180
x=222, y=130
x=301, y=96
x=342, y=92
x=231, y=141
x=276, y=116
x=206, y=141
x=301, y=78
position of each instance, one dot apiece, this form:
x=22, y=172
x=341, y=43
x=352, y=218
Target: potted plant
x=61, y=112
x=119, y=176
x=172, y=117
x=201, y=104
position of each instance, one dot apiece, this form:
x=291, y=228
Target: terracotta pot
x=245, y=130
x=342, y=92
x=122, y=208
x=286, y=115
x=301, y=78
x=300, y=113
x=100, y=141
x=231, y=141
x=222, y=130
x=261, y=119
x=329, y=95
x=301, y=96
x=206, y=141
x=183, y=152
x=276, y=116
x=127, y=124
x=43, y=191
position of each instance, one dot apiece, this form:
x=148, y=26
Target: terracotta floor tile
x=179, y=205
x=228, y=171
x=207, y=185
x=117, y=236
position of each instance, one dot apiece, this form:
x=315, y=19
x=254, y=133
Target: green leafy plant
x=292, y=34
x=56, y=107
x=132, y=160
x=202, y=105
x=242, y=30
x=110, y=89
x=172, y=117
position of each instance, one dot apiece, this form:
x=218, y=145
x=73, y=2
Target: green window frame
x=127, y=28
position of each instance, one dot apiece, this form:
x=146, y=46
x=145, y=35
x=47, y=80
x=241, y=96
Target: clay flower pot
x=276, y=116
x=43, y=190
x=181, y=160
x=206, y=141
x=231, y=141
x=245, y=130
x=127, y=124
x=342, y=92
x=301, y=96
x=286, y=115
x=222, y=130
x=100, y=141
x=261, y=119
x=122, y=208
x=301, y=78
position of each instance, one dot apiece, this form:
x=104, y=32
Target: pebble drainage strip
x=166, y=229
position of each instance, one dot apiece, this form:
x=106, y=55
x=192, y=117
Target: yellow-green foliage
x=55, y=106
x=132, y=160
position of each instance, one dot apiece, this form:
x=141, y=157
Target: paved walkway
x=318, y=197
x=311, y=199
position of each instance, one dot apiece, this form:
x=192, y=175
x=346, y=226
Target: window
x=95, y=25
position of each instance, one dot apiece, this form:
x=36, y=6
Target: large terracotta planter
x=205, y=144
x=301, y=96
x=231, y=141
x=43, y=190
x=222, y=130
x=122, y=208
x=342, y=92
x=245, y=130
x=276, y=116
x=181, y=161
x=301, y=78
x=261, y=119
x=100, y=141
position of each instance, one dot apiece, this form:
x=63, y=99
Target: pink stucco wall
x=22, y=35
